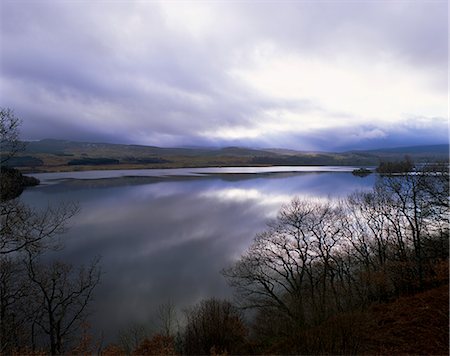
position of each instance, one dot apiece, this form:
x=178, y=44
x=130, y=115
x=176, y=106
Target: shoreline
x=122, y=167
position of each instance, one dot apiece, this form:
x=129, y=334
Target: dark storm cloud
x=353, y=138
x=134, y=72
x=408, y=133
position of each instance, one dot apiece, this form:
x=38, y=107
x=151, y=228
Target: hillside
x=60, y=155
x=417, y=153
x=411, y=325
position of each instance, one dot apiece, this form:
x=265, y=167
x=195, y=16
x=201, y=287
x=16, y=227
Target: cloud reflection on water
x=170, y=239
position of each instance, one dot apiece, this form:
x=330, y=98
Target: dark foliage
x=313, y=160
x=214, y=326
x=361, y=172
x=62, y=154
x=13, y=182
x=24, y=161
x=147, y=160
x=92, y=161
x=157, y=345
x=388, y=167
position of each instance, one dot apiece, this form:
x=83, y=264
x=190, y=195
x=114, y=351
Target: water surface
x=166, y=234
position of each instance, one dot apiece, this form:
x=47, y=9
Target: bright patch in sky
x=303, y=75
x=343, y=91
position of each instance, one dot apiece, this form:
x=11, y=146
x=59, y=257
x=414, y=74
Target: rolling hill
x=61, y=155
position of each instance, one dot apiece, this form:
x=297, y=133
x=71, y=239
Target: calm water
x=166, y=234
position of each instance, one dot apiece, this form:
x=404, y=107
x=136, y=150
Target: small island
x=361, y=172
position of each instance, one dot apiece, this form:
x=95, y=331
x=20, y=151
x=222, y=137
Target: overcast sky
x=322, y=75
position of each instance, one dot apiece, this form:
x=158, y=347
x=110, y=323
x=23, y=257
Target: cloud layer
x=305, y=75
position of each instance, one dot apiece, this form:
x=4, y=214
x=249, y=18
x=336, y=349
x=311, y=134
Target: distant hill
x=61, y=147
x=443, y=148
x=417, y=153
x=61, y=155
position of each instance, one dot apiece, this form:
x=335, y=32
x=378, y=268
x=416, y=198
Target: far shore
x=81, y=168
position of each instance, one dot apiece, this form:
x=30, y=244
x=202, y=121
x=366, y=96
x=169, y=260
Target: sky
x=306, y=75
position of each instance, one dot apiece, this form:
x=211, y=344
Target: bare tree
x=24, y=231
x=14, y=289
x=414, y=208
x=131, y=337
x=23, y=228
x=435, y=183
x=62, y=296
x=167, y=318
x=10, y=143
x=214, y=326
x=290, y=266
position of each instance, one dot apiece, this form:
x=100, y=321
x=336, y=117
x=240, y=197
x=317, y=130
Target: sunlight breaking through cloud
x=275, y=74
